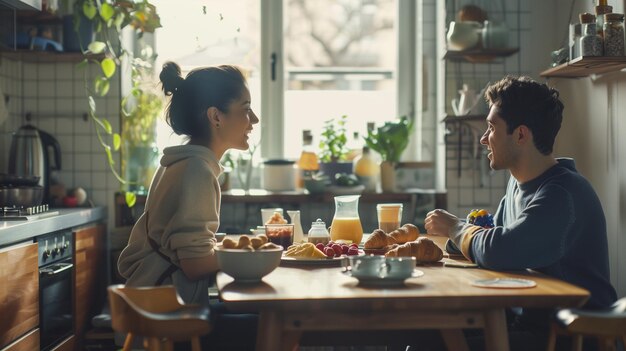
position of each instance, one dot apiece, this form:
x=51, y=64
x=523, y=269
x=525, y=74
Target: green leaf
x=107, y=126
x=89, y=9
x=117, y=141
x=82, y=64
x=131, y=199
x=96, y=47
x=108, y=67
x=101, y=86
x=106, y=11
x=92, y=104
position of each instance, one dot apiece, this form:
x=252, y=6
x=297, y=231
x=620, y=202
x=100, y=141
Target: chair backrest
x=138, y=310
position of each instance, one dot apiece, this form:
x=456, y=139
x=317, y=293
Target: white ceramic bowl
x=248, y=266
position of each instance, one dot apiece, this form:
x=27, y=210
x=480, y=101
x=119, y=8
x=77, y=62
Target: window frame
x=273, y=75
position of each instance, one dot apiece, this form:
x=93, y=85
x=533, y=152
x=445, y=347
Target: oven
x=55, y=288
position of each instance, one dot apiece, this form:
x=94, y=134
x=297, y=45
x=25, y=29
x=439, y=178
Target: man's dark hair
x=523, y=101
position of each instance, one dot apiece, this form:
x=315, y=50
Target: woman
x=173, y=241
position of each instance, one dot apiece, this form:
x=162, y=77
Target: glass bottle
x=613, y=34
x=346, y=224
x=354, y=147
x=318, y=233
x=366, y=169
x=308, y=162
x=590, y=42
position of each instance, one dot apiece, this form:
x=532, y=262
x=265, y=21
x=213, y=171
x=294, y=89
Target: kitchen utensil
x=346, y=222
x=463, y=35
x=279, y=175
x=29, y=155
x=468, y=99
x=16, y=180
x=495, y=35
x=20, y=196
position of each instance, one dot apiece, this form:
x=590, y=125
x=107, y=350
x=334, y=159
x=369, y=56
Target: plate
x=376, y=281
x=505, y=283
x=308, y=261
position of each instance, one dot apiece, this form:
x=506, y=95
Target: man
x=550, y=218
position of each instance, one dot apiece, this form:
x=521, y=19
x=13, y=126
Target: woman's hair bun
x=170, y=78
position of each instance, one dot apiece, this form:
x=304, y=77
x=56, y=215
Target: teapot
x=466, y=102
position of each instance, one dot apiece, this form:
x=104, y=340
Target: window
x=309, y=61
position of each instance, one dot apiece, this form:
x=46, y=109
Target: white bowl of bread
x=248, y=259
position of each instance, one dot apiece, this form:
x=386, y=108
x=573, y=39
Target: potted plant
x=333, y=149
x=390, y=140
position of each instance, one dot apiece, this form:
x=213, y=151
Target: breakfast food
x=276, y=218
x=304, y=250
x=480, y=218
x=423, y=249
x=406, y=233
x=380, y=239
x=247, y=243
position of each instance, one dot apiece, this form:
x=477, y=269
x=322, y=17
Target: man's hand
x=442, y=223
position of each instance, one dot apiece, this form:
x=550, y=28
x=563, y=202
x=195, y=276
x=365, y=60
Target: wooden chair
x=609, y=326
x=157, y=314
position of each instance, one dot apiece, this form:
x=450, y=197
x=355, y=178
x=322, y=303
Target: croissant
x=406, y=233
x=423, y=249
x=378, y=239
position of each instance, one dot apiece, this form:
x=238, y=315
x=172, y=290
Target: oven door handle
x=61, y=267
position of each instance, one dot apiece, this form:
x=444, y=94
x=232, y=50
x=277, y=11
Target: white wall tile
x=82, y=162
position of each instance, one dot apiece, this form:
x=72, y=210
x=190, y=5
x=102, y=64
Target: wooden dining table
x=298, y=298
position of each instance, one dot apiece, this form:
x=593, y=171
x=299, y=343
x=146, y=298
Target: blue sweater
x=553, y=224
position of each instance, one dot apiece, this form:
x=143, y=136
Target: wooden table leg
x=454, y=339
x=496, y=335
x=269, y=332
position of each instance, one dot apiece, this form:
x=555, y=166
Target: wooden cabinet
x=89, y=277
x=68, y=344
x=19, y=292
x=28, y=342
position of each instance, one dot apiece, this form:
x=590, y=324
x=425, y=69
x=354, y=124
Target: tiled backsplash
x=53, y=94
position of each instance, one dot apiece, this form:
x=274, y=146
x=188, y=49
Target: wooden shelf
x=465, y=118
x=47, y=56
x=586, y=65
x=479, y=55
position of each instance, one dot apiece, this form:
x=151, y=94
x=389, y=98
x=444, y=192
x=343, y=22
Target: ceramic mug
x=495, y=35
x=463, y=35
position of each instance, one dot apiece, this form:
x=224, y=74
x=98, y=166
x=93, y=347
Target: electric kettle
x=29, y=155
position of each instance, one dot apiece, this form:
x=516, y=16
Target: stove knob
x=46, y=254
x=62, y=249
x=55, y=252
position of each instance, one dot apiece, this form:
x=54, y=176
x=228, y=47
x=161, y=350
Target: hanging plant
x=109, y=18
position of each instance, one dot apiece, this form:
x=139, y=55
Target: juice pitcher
x=346, y=224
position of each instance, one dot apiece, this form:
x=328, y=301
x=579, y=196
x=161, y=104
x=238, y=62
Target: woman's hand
x=441, y=223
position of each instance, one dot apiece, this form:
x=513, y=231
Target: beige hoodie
x=183, y=207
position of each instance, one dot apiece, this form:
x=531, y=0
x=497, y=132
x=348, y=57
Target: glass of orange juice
x=389, y=216
x=346, y=224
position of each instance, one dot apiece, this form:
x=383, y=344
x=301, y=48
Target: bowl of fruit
x=248, y=259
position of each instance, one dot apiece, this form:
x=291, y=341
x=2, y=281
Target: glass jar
x=613, y=34
x=601, y=10
x=318, y=233
x=590, y=42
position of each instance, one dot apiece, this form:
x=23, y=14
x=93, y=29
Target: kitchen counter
x=12, y=232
